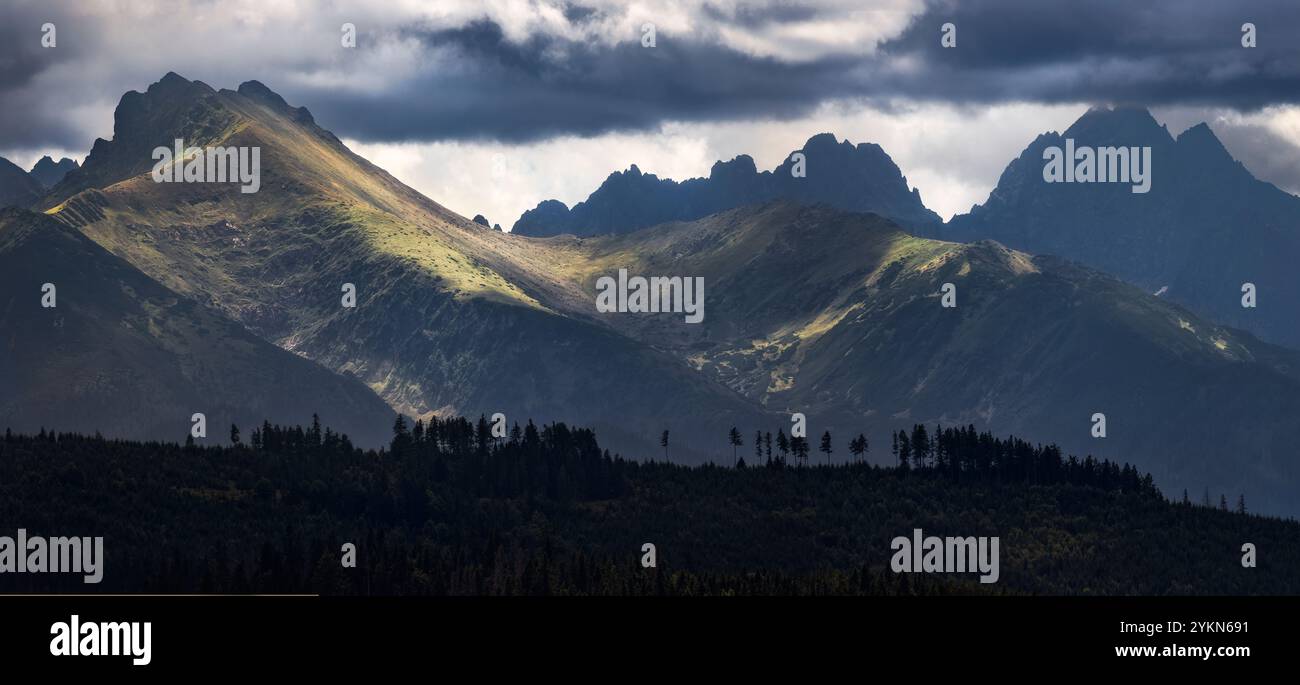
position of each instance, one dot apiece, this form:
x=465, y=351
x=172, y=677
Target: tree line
x=450, y=507
x=958, y=453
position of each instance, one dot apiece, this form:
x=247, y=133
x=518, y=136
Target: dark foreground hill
x=447, y=509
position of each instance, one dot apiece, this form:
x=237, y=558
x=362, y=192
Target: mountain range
x=49, y=172
x=839, y=315
x=821, y=298
x=441, y=322
x=852, y=177
x=1205, y=228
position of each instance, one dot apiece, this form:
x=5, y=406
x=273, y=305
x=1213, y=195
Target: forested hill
x=448, y=509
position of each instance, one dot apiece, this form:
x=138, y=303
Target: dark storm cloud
x=474, y=83
x=1153, y=52
x=1269, y=156
x=546, y=86
x=24, y=108
x=22, y=56
x=1161, y=52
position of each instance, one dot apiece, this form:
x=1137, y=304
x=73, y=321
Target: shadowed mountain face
x=807, y=309
x=1205, y=228
x=17, y=187
x=852, y=177
x=125, y=356
x=49, y=172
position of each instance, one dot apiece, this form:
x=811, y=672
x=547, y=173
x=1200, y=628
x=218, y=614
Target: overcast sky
x=492, y=106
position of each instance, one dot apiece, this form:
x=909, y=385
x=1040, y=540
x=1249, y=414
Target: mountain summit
x=1205, y=228
x=49, y=172
x=852, y=177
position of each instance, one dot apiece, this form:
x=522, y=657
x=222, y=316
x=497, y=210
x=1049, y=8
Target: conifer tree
x=858, y=447
x=799, y=446
x=920, y=446
x=401, y=436
x=904, y=451
x=315, y=430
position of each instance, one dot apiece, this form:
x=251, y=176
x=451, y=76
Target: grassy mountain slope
x=123, y=355
x=441, y=324
x=838, y=315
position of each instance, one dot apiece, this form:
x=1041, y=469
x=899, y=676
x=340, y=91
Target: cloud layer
x=532, y=70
